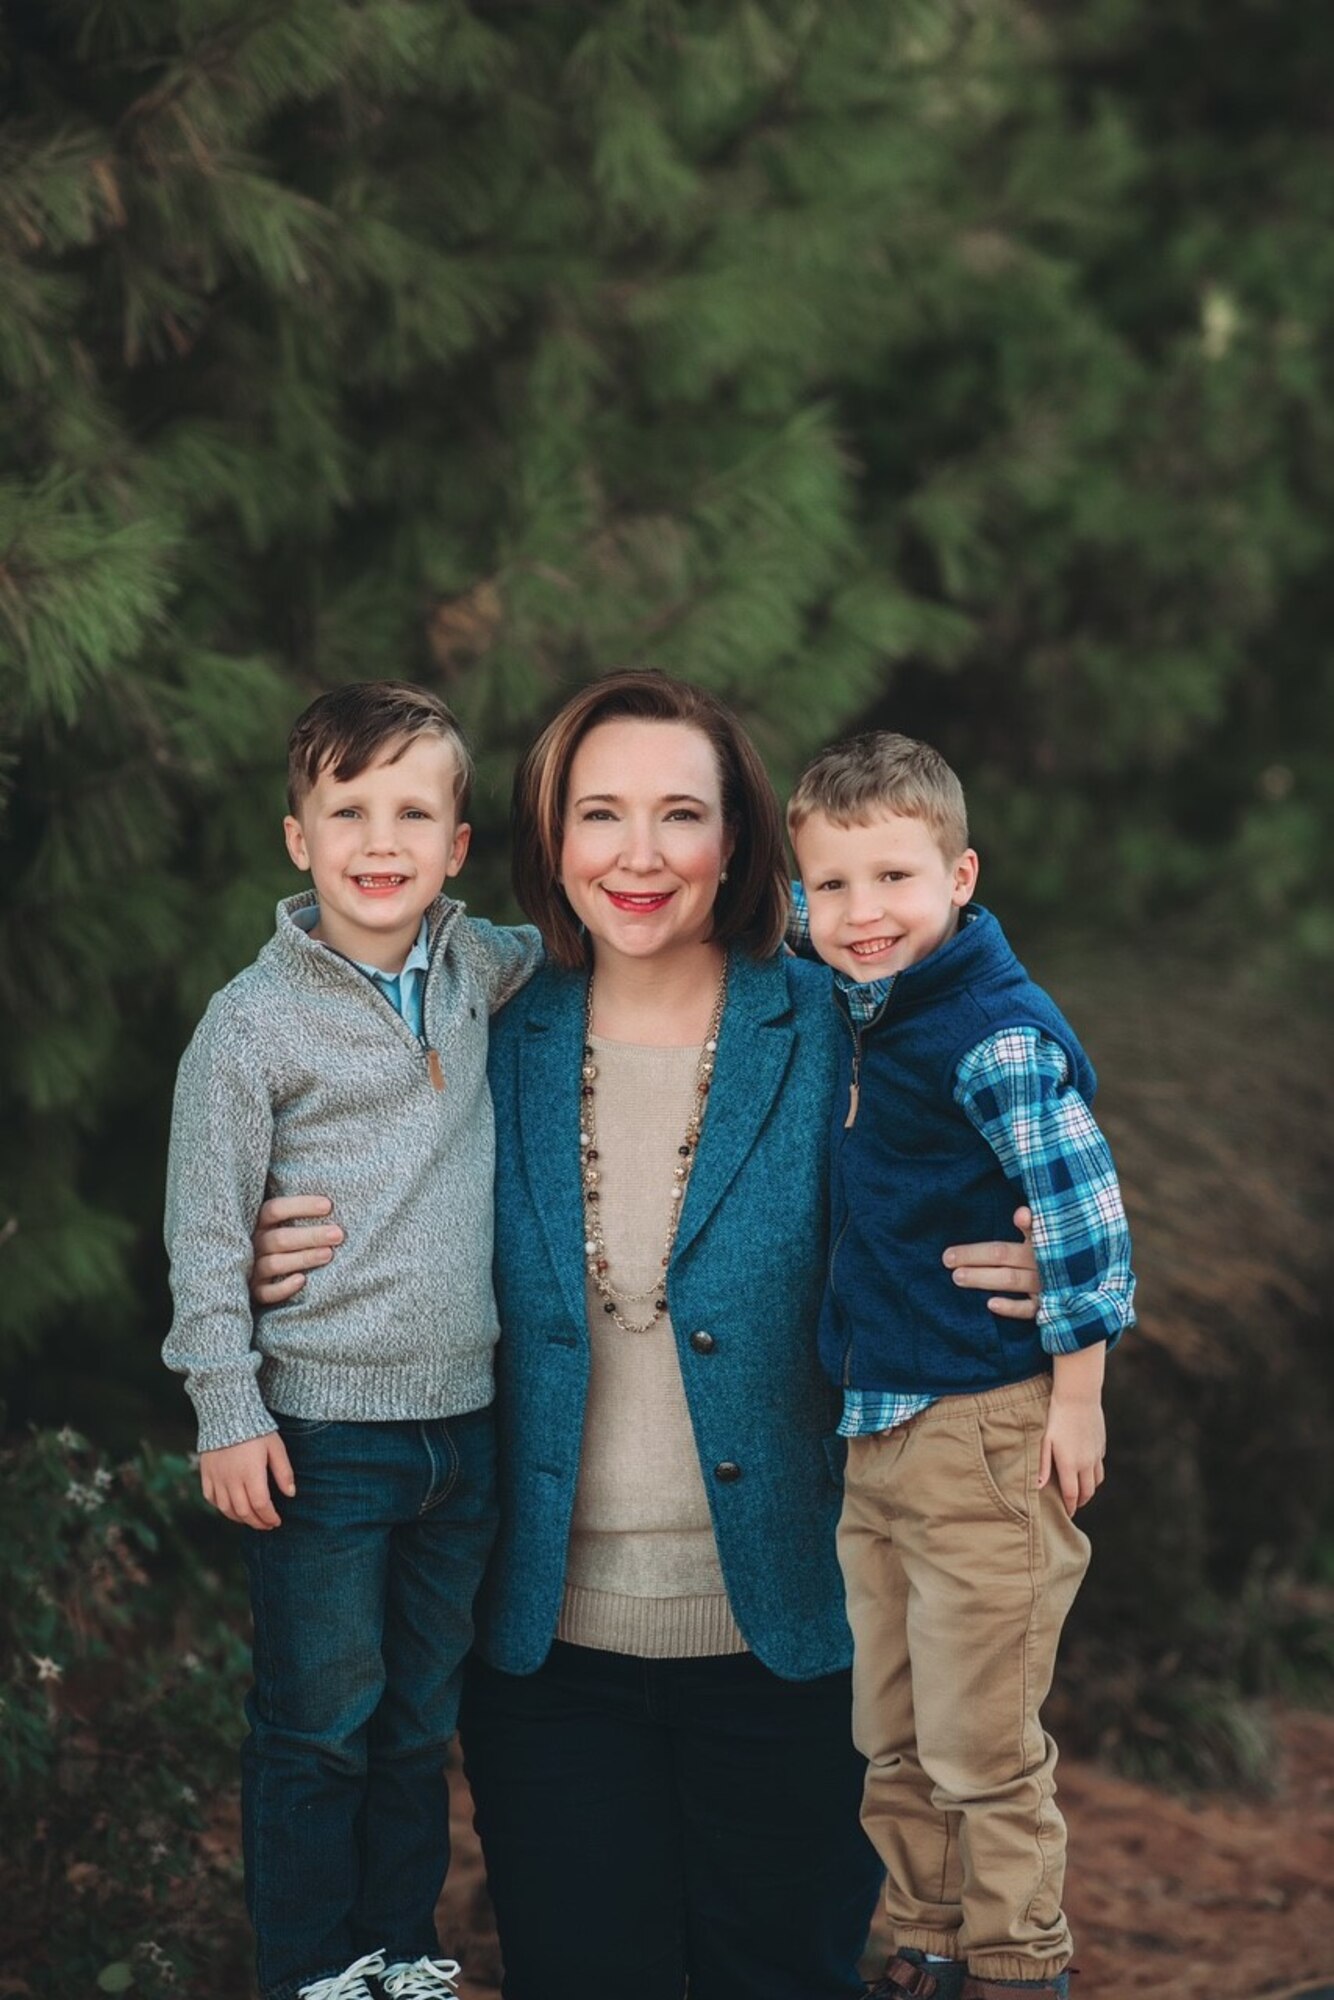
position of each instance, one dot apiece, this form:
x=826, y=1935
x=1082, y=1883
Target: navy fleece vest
x=911, y=1175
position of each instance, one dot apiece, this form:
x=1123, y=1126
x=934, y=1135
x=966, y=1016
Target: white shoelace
x=428, y=1979
x=349, y=1984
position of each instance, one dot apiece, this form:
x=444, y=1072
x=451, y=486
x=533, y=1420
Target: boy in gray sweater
x=349, y=1430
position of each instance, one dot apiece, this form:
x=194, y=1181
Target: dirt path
x=1208, y=1899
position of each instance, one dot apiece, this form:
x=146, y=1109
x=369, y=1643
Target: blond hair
x=851, y=782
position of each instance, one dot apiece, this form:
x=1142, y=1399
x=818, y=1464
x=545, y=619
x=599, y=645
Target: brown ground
x=1204, y=1898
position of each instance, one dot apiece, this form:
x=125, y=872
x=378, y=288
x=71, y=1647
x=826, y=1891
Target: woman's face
x=645, y=841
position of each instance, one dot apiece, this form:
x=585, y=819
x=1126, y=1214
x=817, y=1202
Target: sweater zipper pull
x=433, y=1069
x=854, y=1091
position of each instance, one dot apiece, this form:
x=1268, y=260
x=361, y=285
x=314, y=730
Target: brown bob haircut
x=345, y=731
x=752, y=905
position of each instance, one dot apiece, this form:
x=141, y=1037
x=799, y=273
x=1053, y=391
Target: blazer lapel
x=755, y=1047
x=549, y=1065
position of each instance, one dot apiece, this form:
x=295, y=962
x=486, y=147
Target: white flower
x=103, y=1480
x=189, y=1796
x=47, y=1669
x=68, y=1438
x=192, y=1663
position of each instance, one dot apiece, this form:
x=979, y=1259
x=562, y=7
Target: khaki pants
x=959, y=1576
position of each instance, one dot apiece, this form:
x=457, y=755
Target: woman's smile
x=625, y=899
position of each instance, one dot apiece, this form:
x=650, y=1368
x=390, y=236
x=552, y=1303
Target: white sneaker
x=428, y=1979
x=348, y=1985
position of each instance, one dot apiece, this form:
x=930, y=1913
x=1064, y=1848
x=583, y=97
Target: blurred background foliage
x=961, y=367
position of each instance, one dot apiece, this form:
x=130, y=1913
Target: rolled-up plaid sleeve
x=1015, y=1088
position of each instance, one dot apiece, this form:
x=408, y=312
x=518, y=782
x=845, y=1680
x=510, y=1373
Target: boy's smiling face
x=380, y=847
x=881, y=894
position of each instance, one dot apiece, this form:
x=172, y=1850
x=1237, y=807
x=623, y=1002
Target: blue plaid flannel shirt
x=1014, y=1087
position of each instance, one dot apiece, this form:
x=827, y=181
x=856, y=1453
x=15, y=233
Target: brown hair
x=751, y=907
x=345, y=730
x=880, y=772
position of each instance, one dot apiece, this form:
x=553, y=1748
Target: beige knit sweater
x=643, y=1574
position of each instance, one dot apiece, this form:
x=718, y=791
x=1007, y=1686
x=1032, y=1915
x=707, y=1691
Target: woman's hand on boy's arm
x=235, y=1479
x=992, y=1267
x=1074, y=1445
x=285, y=1251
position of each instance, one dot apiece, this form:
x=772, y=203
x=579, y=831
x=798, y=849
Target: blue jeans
x=648, y=1823
x=362, y=1604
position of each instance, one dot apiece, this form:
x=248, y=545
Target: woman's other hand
x=992, y=1267
x=290, y=1238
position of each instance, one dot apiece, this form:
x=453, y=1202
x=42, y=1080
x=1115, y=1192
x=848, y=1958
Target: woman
x=656, y=1727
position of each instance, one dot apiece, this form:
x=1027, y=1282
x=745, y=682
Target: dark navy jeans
x=651, y=1822
x=362, y=1604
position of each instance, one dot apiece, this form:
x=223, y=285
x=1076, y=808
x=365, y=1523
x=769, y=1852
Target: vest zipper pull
x=433, y=1069
x=854, y=1091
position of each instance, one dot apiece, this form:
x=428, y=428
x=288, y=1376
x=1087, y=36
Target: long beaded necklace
x=590, y=1163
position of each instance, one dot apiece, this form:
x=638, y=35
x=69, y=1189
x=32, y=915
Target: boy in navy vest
x=974, y=1435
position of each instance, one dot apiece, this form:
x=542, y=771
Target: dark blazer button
x=703, y=1343
x=726, y=1472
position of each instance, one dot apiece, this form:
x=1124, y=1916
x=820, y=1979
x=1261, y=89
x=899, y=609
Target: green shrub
x=1196, y=1709
x=1209, y=1594
x=120, y=1691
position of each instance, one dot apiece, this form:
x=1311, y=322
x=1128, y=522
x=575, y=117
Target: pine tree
x=942, y=363
x=1115, y=460
x=494, y=346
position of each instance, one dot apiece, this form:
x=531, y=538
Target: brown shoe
x=909, y=1977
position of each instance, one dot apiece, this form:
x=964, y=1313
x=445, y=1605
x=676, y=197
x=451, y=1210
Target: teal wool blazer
x=747, y=1270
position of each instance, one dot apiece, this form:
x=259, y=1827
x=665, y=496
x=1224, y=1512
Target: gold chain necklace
x=590, y=1173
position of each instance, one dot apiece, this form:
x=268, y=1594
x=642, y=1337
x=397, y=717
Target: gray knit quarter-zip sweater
x=303, y=1079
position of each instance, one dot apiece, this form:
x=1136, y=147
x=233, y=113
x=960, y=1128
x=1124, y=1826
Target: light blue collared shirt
x=405, y=990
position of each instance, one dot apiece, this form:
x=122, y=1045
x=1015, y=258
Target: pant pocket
x=1005, y=1448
